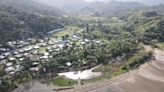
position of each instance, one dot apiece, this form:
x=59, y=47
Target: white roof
x=8, y=69
x=3, y=61
x=11, y=59
x=11, y=73
x=18, y=56
x=21, y=50
x=68, y=64
x=2, y=57
x=9, y=64
x=34, y=69
x=36, y=47
x=46, y=54
x=26, y=54
x=18, y=67
x=45, y=57
x=61, y=45
x=35, y=63
x=16, y=52
x=86, y=40
x=21, y=59
x=83, y=42
x=6, y=54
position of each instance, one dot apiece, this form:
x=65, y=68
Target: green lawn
x=62, y=81
x=68, y=30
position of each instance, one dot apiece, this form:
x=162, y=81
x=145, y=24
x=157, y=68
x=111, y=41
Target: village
x=38, y=52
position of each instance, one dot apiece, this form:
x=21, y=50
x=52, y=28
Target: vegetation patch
x=159, y=45
x=112, y=70
x=62, y=81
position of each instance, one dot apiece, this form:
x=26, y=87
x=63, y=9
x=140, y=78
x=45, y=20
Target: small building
x=10, y=69
x=35, y=69
x=68, y=64
x=6, y=54
x=16, y=52
x=18, y=68
x=12, y=58
x=9, y=64
x=21, y=59
x=2, y=57
x=36, y=47
x=19, y=56
x=3, y=61
x=21, y=50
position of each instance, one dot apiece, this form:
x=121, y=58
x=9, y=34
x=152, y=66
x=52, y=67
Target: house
x=26, y=54
x=60, y=45
x=3, y=49
x=35, y=52
x=41, y=41
x=28, y=48
x=19, y=56
x=21, y=59
x=18, y=68
x=6, y=54
x=12, y=58
x=43, y=44
x=36, y=47
x=21, y=50
x=35, y=64
x=51, y=43
x=2, y=57
x=96, y=41
x=12, y=72
x=16, y=52
x=35, y=69
x=63, y=42
x=68, y=64
x=83, y=42
x=49, y=48
x=45, y=57
x=86, y=40
x=3, y=61
x=46, y=54
x=76, y=37
x=10, y=69
x=9, y=64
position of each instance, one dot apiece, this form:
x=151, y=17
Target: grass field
x=68, y=30
x=62, y=81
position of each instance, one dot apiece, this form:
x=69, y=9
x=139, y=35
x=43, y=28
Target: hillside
x=110, y=8
x=31, y=6
x=20, y=24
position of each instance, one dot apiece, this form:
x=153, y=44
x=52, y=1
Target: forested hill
x=31, y=6
x=110, y=8
x=20, y=24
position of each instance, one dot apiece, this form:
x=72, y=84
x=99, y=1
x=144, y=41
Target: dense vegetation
x=16, y=24
x=119, y=33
